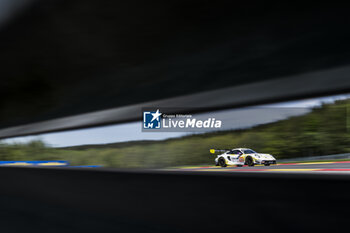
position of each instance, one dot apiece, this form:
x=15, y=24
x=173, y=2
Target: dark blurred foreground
x=61, y=58
x=69, y=200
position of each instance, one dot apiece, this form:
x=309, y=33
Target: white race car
x=241, y=156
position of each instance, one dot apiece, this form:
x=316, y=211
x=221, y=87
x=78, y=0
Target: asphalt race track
x=319, y=167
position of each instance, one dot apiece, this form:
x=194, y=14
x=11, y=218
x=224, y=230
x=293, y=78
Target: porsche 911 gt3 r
x=241, y=156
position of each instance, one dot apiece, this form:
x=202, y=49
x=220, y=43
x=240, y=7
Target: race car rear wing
x=213, y=151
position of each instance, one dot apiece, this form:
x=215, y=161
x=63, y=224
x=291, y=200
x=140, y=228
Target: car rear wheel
x=249, y=161
x=222, y=162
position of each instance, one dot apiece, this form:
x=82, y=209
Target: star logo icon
x=156, y=115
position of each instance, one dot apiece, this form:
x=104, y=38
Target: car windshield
x=248, y=152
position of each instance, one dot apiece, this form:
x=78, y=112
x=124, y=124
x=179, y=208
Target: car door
x=236, y=152
x=241, y=155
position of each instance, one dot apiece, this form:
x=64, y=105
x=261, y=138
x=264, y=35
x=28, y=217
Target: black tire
x=249, y=161
x=239, y=165
x=267, y=165
x=222, y=162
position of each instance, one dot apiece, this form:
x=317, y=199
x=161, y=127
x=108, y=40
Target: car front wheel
x=249, y=162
